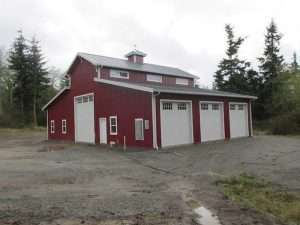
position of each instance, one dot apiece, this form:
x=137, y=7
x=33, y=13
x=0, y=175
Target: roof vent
x=136, y=56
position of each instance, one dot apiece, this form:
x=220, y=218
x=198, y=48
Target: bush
x=288, y=123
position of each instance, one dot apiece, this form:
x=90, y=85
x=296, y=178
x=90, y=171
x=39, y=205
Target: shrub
x=288, y=123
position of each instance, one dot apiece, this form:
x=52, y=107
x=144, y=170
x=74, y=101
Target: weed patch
x=262, y=196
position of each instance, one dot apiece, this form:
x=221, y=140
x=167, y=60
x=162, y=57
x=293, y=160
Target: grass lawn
x=262, y=196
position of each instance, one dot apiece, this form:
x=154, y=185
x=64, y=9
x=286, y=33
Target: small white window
x=79, y=100
x=167, y=106
x=91, y=98
x=139, y=129
x=119, y=74
x=232, y=107
x=113, y=123
x=154, y=78
x=182, y=81
x=52, y=127
x=85, y=98
x=215, y=106
x=241, y=107
x=204, y=106
x=181, y=106
x=64, y=126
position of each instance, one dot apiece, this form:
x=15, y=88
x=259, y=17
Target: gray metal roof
x=185, y=90
x=126, y=65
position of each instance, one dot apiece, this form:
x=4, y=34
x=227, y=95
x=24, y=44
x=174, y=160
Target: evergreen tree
x=38, y=76
x=18, y=63
x=271, y=65
x=231, y=73
x=294, y=67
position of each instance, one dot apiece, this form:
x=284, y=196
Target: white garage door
x=238, y=116
x=211, y=121
x=176, y=123
x=84, y=119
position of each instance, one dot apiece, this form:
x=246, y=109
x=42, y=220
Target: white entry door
x=84, y=119
x=176, y=123
x=103, y=130
x=238, y=116
x=211, y=121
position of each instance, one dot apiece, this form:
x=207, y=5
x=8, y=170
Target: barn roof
x=99, y=60
x=174, y=89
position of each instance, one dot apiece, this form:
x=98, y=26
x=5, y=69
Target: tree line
x=25, y=84
x=276, y=83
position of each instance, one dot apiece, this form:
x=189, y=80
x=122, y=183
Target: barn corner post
x=250, y=118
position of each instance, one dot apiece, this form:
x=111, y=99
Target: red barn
x=129, y=102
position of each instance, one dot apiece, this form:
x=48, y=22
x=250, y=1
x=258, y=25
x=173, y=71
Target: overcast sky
x=183, y=33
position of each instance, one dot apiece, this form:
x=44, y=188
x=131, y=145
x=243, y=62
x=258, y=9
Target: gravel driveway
x=62, y=183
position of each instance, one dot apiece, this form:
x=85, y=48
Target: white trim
x=125, y=85
x=182, y=81
x=52, y=126
x=154, y=127
x=56, y=96
x=64, y=125
x=113, y=72
x=143, y=134
x=110, y=131
x=223, y=117
x=191, y=114
x=151, y=78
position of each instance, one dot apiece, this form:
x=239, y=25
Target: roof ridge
x=125, y=60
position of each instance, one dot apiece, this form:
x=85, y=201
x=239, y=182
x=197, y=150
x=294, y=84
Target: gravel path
x=62, y=183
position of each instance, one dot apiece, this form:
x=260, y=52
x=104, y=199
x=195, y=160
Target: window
x=119, y=74
x=167, y=106
x=232, y=107
x=79, y=100
x=215, y=106
x=139, y=129
x=52, y=127
x=182, y=81
x=113, y=123
x=204, y=106
x=64, y=126
x=85, y=99
x=181, y=106
x=241, y=107
x=154, y=78
x=91, y=98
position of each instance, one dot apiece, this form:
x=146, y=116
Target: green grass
x=262, y=196
x=15, y=130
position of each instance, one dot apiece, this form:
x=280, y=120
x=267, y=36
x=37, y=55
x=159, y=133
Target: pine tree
x=294, y=67
x=271, y=65
x=38, y=76
x=231, y=72
x=18, y=63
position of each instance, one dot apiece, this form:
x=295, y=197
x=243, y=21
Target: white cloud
x=186, y=34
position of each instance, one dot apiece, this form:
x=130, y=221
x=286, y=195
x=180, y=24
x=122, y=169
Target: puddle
x=206, y=217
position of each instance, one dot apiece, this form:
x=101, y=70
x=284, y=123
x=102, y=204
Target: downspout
x=154, y=121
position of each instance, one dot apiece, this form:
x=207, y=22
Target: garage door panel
x=211, y=121
x=84, y=119
x=238, y=116
x=176, y=123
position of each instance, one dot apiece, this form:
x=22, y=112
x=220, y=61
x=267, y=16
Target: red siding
x=140, y=77
x=127, y=104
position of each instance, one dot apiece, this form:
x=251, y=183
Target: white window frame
x=63, y=126
x=116, y=74
x=154, y=78
x=52, y=126
x=110, y=125
x=182, y=81
x=143, y=127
